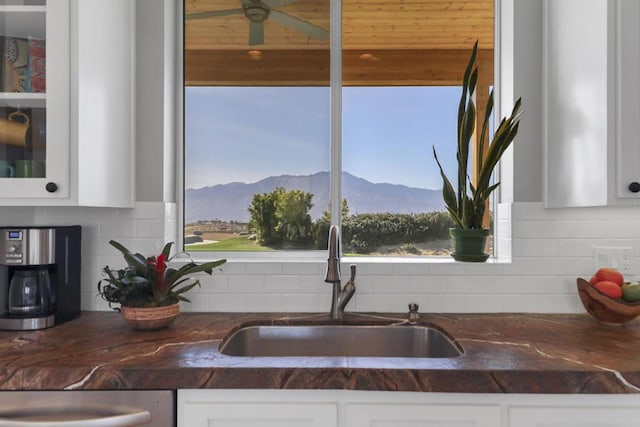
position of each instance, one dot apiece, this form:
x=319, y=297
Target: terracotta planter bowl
x=605, y=309
x=150, y=318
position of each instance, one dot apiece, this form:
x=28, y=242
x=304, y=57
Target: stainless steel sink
x=339, y=340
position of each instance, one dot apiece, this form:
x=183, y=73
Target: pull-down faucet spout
x=341, y=296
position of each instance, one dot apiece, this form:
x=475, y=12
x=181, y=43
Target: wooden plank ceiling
x=385, y=42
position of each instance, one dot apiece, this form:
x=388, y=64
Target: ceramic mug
x=15, y=129
x=7, y=169
x=30, y=169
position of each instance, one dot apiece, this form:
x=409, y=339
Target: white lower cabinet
x=577, y=416
x=346, y=408
x=329, y=408
x=260, y=414
x=416, y=415
x=254, y=408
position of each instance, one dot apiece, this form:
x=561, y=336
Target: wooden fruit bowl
x=604, y=308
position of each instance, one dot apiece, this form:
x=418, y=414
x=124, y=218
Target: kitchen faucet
x=341, y=296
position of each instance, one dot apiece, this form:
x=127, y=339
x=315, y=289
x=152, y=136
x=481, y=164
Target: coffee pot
x=30, y=293
x=39, y=276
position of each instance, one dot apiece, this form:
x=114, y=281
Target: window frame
x=499, y=254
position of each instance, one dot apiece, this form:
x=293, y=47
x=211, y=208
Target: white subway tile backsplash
x=549, y=248
x=148, y=210
x=445, y=303
x=427, y=284
x=148, y=228
x=217, y=283
x=521, y=303
x=281, y=284
x=264, y=303
x=231, y=268
x=261, y=268
x=199, y=303
x=391, y=284
x=87, y=213
x=411, y=268
x=561, y=304
x=313, y=285
x=232, y=302
x=446, y=267
x=483, y=303
x=364, y=285
x=244, y=284
x=292, y=302
x=16, y=216
x=559, y=266
x=304, y=268
x=372, y=302
x=117, y=229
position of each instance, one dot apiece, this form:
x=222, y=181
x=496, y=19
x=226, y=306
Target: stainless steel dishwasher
x=88, y=408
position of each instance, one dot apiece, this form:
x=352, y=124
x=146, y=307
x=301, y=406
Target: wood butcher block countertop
x=503, y=353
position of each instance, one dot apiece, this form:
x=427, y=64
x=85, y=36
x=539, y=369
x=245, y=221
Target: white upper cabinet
x=67, y=102
x=34, y=100
x=627, y=166
x=103, y=102
x=591, y=102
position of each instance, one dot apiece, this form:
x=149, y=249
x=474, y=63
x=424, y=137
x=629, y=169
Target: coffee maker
x=39, y=276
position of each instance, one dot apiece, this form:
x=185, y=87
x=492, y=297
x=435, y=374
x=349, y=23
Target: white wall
x=550, y=248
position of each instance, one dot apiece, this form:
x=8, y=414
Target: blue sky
x=245, y=134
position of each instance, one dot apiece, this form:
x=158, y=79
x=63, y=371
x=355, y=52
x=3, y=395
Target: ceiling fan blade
x=256, y=33
x=276, y=3
x=211, y=14
x=307, y=28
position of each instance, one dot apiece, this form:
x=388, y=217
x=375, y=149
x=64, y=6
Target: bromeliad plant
x=467, y=206
x=149, y=282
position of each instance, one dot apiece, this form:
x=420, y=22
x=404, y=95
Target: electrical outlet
x=620, y=258
x=625, y=256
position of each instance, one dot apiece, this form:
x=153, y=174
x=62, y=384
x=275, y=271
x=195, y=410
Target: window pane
x=256, y=124
x=402, y=70
x=243, y=141
x=390, y=181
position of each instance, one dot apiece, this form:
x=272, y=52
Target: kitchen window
x=291, y=124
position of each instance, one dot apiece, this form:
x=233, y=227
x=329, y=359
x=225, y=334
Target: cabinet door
x=224, y=414
x=628, y=136
x=389, y=415
x=104, y=108
x=34, y=99
x=574, y=417
x=576, y=101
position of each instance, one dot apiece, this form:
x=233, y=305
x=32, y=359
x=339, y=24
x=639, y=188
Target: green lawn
x=233, y=244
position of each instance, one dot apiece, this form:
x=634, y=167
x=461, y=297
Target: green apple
x=631, y=291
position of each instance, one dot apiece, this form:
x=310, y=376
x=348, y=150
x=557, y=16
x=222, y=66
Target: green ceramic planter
x=469, y=244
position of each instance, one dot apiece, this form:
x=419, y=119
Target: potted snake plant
x=467, y=202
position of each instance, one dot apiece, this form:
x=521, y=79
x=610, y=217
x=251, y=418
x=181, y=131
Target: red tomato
x=610, y=289
x=610, y=275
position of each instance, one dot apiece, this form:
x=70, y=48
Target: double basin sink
x=340, y=341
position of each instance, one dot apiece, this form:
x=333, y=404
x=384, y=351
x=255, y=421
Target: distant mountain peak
x=230, y=201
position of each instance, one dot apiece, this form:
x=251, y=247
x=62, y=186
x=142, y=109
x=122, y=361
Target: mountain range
x=229, y=202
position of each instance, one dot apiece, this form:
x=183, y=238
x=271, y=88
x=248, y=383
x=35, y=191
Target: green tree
x=263, y=219
x=281, y=216
x=292, y=213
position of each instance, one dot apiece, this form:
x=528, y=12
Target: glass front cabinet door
x=34, y=99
